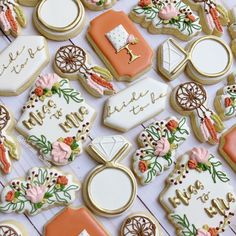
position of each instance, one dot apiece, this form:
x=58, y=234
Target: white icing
x=111, y=189
x=138, y=109
x=54, y=14
x=10, y=80
x=210, y=57
x=84, y=233
x=118, y=37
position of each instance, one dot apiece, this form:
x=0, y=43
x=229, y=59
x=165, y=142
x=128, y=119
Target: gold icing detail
x=204, y=198
x=12, y=148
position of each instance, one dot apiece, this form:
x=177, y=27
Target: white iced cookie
x=21, y=62
x=97, y=5
x=159, y=142
x=8, y=145
x=135, y=104
x=110, y=189
x=42, y=188
x=72, y=62
x=206, y=60
x=12, y=228
x=59, y=25
x=199, y=187
x=56, y=119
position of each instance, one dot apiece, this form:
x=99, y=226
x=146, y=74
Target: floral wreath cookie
x=54, y=106
x=199, y=187
x=12, y=17
x=8, y=145
x=167, y=17
x=225, y=101
x=159, y=143
x=72, y=62
x=12, y=228
x=97, y=5
x=42, y=188
x=213, y=15
x=190, y=99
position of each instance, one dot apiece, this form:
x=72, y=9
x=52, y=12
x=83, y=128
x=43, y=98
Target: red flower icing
x=228, y=102
x=172, y=125
x=144, y=3
x=192, y=164
x=10, y=196
x=213, y=232
x=38, y=91
x=62, y=180
x=142, y=166
x=68, y=141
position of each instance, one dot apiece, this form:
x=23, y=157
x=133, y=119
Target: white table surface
x=147, y=199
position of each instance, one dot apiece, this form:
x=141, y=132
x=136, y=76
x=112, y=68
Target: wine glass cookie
x=8, y=145
x=97, y=5
x=72, y=62
x=12, y=228
x=167, y=17
x=206, y=60
x=191, y=99
x=110, y=189
x=59, y=25
x=56, y=120
x=213, y=15
x=199, y=186
x=12, y=17
x=159, y=142
x=225, y=100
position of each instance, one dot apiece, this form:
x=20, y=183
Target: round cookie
x=12, y=228
x=98, y=5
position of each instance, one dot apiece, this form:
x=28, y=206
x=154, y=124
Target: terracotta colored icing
x=97, y=31
x=230, y=143
x=72, y=222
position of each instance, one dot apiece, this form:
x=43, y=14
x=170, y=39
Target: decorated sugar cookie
x=120, y=45
x=225, y=101
x=21, y=62
x=204, y=68
x=227, y=146
x=8, y=145
x=12, y=228
x=74, y=221
x=41, y=189
x=12, y=17
x=232, y=29
x=61, y=25
x=212, y=13
x=159, y=142
x=97, y=5
x=167, y=17
x=72, y=62
x=56, y=119
x=110, y=189
x=199, y=187
x=135, y=104
x=191, y=99
x=140, y=224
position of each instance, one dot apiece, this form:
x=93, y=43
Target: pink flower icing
x=202, y=232
x=36, y=194
x=168, y=12
x=47, y=81
x=60, y=152
x=131, y=38
x=200, y=155
x=162, y=147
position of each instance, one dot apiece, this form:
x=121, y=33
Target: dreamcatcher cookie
x=12, y=17
x=191, y=99
x=110, y=189
x=72, y=62
x=12, y=228
x=8, y=145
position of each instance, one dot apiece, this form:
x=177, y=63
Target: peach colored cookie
x=227, y=146
x=120, y=45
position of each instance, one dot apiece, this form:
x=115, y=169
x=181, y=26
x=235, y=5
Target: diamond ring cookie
x=199, y=187
x=55, y=106
x=74, y=222
x=110, y=189
x=73, y=62
x=61, y=25
x=21, y=62
x=202, y=67
x=225, y=100
x=42, y=188
x=12, y=228
x=12, y=17
x=140, y=224
x=8, y=145
x=120, y=45
x=97, y=5
x=159, y=142
x=167, y=17
x=190, y=99
x=135, y=104
x=212, y=13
